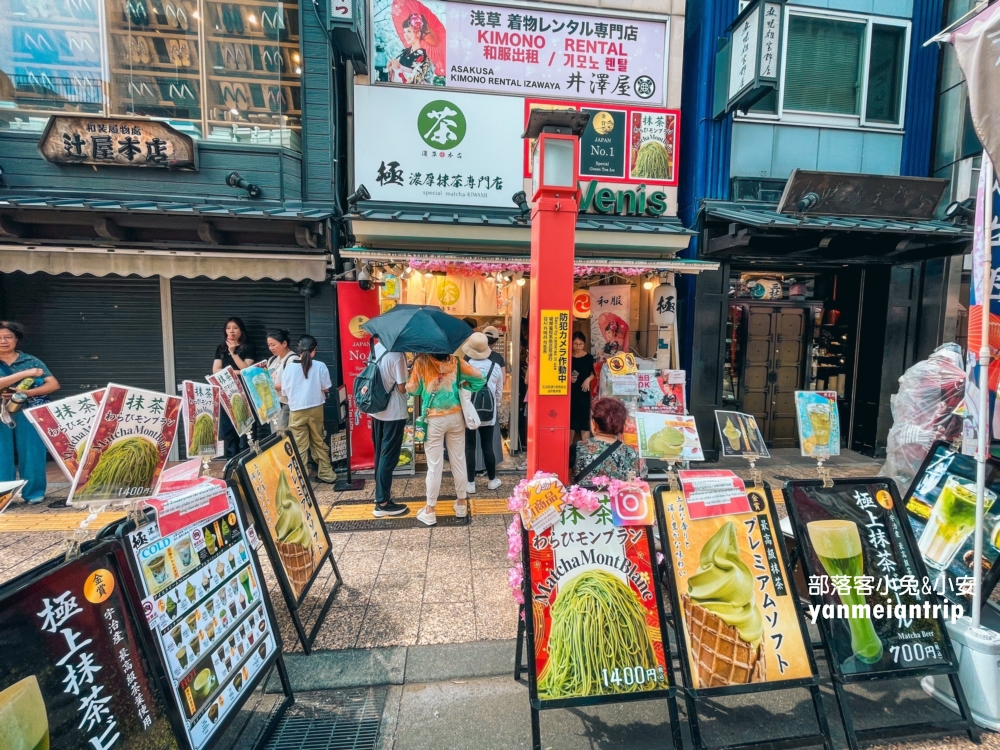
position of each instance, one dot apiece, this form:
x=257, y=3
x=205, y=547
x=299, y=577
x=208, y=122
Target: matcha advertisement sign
x=739, y=617
x=871, y=595
x=289, y=513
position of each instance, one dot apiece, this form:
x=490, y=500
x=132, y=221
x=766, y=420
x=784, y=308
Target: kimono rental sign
x=520, y=51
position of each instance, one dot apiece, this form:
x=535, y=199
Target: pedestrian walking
x=22, y=440
x=388, y=428
x=281, y=351
x=436, y=378
x=477, y=349
x=306, y=382
x=237, y=352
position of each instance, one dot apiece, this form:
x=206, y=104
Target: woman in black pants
x=477, y=349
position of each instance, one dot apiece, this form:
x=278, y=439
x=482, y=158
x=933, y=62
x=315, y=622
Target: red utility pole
x=555, y=194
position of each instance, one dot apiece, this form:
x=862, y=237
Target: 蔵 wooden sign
x=110, y=142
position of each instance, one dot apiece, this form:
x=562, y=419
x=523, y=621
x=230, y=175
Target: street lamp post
x=554, y=161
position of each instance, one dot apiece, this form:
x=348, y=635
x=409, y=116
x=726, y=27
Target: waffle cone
x=297, y=561
x=721, y=656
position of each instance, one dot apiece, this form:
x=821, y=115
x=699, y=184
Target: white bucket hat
x=477, y=347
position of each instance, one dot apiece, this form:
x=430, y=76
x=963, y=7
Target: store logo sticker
x=252, y=537
x=441, y=125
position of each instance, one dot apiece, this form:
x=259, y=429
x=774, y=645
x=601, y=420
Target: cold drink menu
x=204, y=604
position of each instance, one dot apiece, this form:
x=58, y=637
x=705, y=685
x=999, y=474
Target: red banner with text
x=355, y=307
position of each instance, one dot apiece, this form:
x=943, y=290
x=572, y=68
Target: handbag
x=472, y=420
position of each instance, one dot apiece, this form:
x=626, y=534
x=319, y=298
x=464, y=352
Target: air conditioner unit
x=349, y=28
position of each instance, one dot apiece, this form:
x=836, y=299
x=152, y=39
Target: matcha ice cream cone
x=732, y=435
x=294, y=544
x=724, y=624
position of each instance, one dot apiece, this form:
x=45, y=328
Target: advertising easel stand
x=278, y=457
x=838, y=503
x=693, y=694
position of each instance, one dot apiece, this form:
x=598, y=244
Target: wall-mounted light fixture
x=235, y=181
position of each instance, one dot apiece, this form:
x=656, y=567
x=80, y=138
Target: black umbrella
x=418, y=328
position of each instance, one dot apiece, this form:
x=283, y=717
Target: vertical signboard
x=553, y=370
x=355, y=307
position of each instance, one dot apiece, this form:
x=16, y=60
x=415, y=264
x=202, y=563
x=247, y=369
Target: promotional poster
x=128, y=446
x=869, y=594
x=263, y=395
x=201, y=418
x=740, y=435
x=661, y=391
x=941, y=506
x=818, y=421
x=291, y=516
x=610, y=309
x=737, y=603
x=233, y=398
x=595, y=607
x=74, y=674
x=64, y=426
x=668, y=437
x=355, y=307
x=510, y=50
x=203, y=602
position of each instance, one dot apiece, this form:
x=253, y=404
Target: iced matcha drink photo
x=838, y=546
x=952, y=520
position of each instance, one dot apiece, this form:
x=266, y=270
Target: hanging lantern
x=664, y=305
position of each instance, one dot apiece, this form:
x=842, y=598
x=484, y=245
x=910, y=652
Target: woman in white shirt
x=281, y=352
x=477, y=349
x=305, y=383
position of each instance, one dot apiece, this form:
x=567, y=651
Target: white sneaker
x=461, y=510
x=494, y=484
x=471, y=488
x=428, y=519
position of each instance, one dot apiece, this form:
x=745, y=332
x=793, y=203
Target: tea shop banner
x=530, y=51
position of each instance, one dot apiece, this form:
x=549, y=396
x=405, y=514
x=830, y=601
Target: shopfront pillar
x=555, y=202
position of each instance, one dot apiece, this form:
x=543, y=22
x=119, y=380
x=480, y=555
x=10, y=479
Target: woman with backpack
x=436, y=378
x=477, y=349
x=305, y=381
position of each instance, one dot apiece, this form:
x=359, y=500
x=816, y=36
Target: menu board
x=869, y=589
x=201, y=418
x=74, y=674
x=941, y=506
x=739, y=613
x=64, y=426
x=127, y=447
x=818, y=423
x=233, y=398
x=668, y=437
x=275, y=480
x=740, y=435
x=260, y=388
x=595, y=608
x=203, y=600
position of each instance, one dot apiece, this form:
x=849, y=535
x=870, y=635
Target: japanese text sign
x=64, y=426
x=233, y=397
x=96, y=141
x=201, y=418
x=553, y=363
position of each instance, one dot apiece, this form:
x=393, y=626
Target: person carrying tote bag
x=438, y=380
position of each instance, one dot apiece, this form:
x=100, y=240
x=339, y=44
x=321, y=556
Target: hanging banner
x=202, y=595
x=263, y=395
x=941, y=506
x=516, y=50
x=74, y=671
x=553, y=362
x=127, y=447
x=870, y=592
x=355, y=307
x=818, y=421
x=64, y=426
x=738, y=610
x=201, y=418
x=740, y=435
x=233, y=398
x=275, y=481
x=610, y=308
x=595, y=609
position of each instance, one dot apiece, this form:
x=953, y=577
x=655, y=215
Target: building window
x=841, y=69
x=217, y=71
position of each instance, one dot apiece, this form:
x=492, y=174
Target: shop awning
x=408, y=227
x=674, y=265
x=758, y=231
x=190, y=264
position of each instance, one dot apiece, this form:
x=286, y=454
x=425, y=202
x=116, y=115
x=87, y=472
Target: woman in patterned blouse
x=607, y=420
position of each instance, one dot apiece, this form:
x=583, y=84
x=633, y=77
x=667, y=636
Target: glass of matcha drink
x=952, y=519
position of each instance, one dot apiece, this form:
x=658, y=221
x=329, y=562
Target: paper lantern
x=664, y=305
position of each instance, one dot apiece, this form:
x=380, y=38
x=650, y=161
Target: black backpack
x=370, y=394
x=483, y=399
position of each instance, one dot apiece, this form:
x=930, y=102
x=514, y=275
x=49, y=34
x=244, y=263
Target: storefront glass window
x=219, y=71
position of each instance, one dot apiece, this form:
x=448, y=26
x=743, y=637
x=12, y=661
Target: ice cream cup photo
x=238, y=681
x=210, y=541
x=732, y=434
x=192, y=622
x=24, y=722
x=171, y=606
x=243, y=601
x=210, y=606
x=183, y=549
x=292, y=538
x=195, y=645
x=190, y=592
x=158, y=568
x=952, y=521
x=232, y=608
x=210, y=631
x=243, y=552
x=213, y=713
x=182, y=657
x=175, y=633
x=837, y=544
x=220, y=568
x=206, y=581
x=229, y=664
x=232, y=560
x=239, y=647
x=262, y=651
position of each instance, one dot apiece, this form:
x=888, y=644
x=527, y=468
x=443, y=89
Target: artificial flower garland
x=475, y=268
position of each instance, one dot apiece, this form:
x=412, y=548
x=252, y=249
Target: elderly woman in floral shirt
x=436, y=378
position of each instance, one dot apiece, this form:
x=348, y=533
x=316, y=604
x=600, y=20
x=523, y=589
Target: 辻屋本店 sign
x=870, y=592
x=553, y=364
x=516, y=50
x=97, y=141
x=74, y=672
x=738, y=612
x=446, y=147
x=587, y=575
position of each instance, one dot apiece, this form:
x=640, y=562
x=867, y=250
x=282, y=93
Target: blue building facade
x=808, y=297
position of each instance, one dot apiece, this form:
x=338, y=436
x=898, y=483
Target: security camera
x=361, y=194
x=365, y=279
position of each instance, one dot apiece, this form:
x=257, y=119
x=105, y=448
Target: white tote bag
x=472, y=420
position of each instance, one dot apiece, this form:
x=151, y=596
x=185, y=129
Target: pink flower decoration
x=583, y=499
x=514, y=540
x=602, y=480
x=515, y=577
